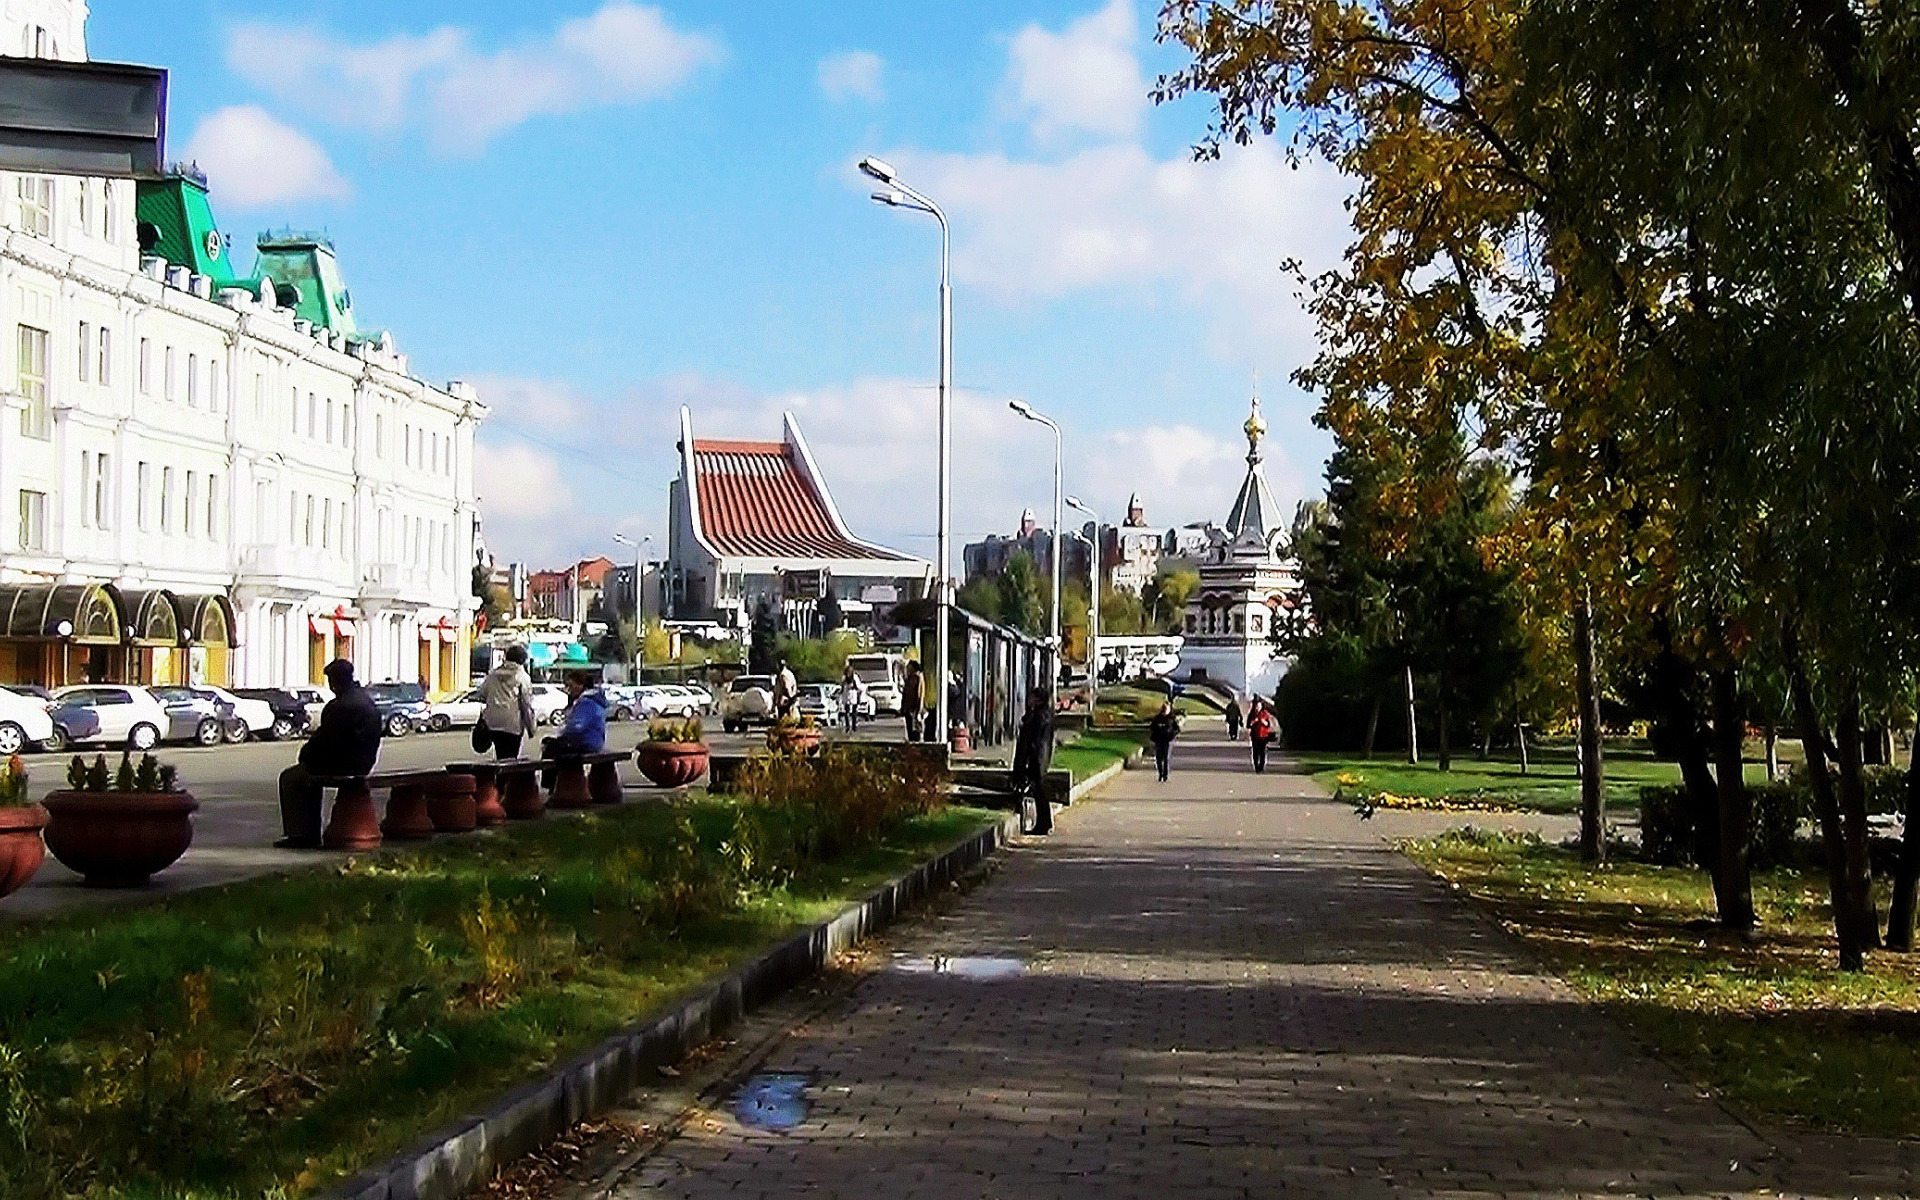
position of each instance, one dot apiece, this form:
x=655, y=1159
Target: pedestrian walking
x=347, y=743
x=1261, y=728
x=1233, y=719
x=1032, y=756
x=507, y=694
x=913, y=701
x=786, y=690
x=1161, y=731
x=853, y=694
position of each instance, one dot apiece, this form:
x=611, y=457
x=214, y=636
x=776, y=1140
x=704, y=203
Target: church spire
x=1256, y=512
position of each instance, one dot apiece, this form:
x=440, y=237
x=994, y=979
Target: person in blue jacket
x=586, y=729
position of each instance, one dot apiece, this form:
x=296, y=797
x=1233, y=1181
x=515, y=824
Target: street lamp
x=1093, y=615
x=639, y=574
x=899, y=195
x=1027, y=410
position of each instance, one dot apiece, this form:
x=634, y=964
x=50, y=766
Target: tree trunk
x=1446, y=734
x=1853, y=821
x=1773, y=753
x=1681, y=726
x=1732, y=881
x=1413, y=727
x=1906, y=876
x=1846, y=917
x=1593, y=812
x=1373, y=727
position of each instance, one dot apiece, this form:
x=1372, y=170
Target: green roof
x=177, y=207
x=305, y=261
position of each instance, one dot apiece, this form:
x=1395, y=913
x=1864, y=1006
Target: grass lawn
x=1773, y=1026
x=1097, y=749
x=272, y=1036
x=1551, y=784
x=1142, y=704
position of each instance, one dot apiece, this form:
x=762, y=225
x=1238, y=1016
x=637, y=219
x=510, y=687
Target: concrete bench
x=488, y=812
x=572, y=787
x=353, y=825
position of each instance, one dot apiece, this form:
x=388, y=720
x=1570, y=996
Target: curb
x=1099, y=778
x=455, y=1160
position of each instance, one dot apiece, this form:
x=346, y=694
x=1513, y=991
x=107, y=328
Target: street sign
x=82, y=118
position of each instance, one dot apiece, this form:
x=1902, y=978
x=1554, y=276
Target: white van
x=884, y=676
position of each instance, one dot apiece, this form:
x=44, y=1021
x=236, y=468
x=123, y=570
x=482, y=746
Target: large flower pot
x=21, y=848
x=672, y=764
x=119, y=839
x=792, y=740
x=451, y=804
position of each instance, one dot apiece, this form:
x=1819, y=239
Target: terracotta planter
x=119, y=839
x=520, y=795
x=21, y=848
x=451, y=804
x=487, y=809
x=793, y=741
x=672, y=764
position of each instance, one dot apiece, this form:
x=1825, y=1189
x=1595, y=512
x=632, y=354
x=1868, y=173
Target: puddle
x=987, y=968
x=776, y=1100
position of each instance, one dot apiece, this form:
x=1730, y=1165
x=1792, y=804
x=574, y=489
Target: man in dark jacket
x=347, y=743
x=1033, y=755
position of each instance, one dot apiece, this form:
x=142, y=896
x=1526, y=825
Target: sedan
x=257, y=714
x=128, y=715
x=461, y=712
x=24, y=721
x=549, y=703
x=290, y=715
x=197, y=715
x=821, y=701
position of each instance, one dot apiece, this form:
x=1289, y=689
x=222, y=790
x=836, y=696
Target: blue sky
x=597, y=210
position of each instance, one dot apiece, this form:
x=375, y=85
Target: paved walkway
x=1231, y=988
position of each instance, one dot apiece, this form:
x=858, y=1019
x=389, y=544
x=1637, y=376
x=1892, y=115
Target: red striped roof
x=755, y=503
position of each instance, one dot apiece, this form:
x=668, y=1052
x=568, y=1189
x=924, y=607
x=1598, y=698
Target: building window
x=329, y=421
x=326, y=524
x=262, y=499
x=193, y=380
x=313, y=416
x=86, y=482
x=213, y=507
x=86, y=352
x=86, y=206
x=143, y=498
x=293, y=517
x=193, y=502
x=102, y=490
x=308, y=539
x=166, y=500
x=294, y=408
x=105, y=359
x=213, y=385
x=380, y=435
x=146, y=366
x=33, y=381
x=110, y=218
x=167, y=383
x=346, y=423
x=33, y=520
x=36, y=205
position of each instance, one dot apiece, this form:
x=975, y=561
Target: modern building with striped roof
x=753, y=521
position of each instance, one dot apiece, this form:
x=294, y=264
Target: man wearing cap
x=347, y=743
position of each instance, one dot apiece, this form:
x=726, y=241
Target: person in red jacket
x=1261, y=730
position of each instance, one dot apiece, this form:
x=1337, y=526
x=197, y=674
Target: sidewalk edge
x=453, y=1161
x=1104, y=774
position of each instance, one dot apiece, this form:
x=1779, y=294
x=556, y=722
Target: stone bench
x=353, y=824
x=582, y=780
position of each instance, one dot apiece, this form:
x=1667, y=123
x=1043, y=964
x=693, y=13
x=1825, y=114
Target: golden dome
x=1256, y=425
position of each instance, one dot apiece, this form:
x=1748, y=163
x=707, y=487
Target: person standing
x=347, y=743
x=507, y=693
x=1233, y=719
x=1261, y=729
x=1161, y=731
x=852, y=695
x=786, y=690
x=1033, y=756
x=913, y=701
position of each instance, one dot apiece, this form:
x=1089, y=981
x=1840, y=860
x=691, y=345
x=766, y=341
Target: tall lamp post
x=898, y=195
x=1093, y=603
x=1027, y=410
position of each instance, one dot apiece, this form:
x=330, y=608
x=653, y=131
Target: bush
x=1666, y=826
x=797, y=810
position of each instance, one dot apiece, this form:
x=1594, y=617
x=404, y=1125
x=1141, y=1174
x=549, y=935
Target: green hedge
x=1666, y=827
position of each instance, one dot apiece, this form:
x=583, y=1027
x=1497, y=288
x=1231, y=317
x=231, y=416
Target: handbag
x=481, y=737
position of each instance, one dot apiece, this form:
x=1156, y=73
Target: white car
x=315, y=698
x=699, y=698
x=549, y=702
x=258, y=714
x=128, y=715
x=749, y=700
x=665, y=700
x=821, y=701
x=461, y=712
x=24, y=722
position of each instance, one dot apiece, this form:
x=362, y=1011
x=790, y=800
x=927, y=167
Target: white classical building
x=206, y=474
x=1248, y=585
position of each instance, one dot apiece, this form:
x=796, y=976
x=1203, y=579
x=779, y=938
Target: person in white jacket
x=507, y=693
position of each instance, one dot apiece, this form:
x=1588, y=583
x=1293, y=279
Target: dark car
x=403, y=707
x=71, y=723
x=290, y=719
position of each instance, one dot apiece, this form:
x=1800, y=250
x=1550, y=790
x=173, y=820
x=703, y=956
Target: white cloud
x=519, y=482
x=1084, y=79
x=854, y=74
x=255, y=160
x=460, y=96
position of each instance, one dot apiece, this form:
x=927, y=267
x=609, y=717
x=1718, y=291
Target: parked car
x=290, y=716
x=681, y=701
x=24, y=722
x=821, y=701
x=256, y=715
x=403, y=707
x=197, y=715
x=72, y=724
x=624, y=701
x=32, y=689
x=314, y=698
x=461, y=712
x=884, y=676
x=549, y=703
x=127, y=715
x=701, y=697
x=749, y=700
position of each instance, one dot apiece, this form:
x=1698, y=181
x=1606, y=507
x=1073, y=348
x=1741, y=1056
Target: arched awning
x=207, y=620
x=86, y=613
x=151, y=619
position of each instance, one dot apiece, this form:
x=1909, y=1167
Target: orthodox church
x=1249, y=588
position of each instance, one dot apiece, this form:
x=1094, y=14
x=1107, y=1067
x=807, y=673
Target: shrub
x=1666, y=826
x=847, y=797
x=13, y=784
x=688, y=730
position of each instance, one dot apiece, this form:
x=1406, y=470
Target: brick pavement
x=1233, y=988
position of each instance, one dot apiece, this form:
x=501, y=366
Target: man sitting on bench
x=586, y=729
x=347, y=743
